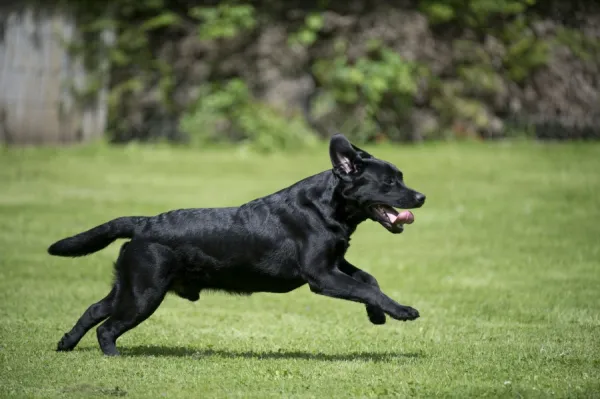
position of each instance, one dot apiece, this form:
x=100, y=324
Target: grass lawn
x=503, y=262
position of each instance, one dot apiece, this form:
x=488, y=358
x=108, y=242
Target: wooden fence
x=37, y=78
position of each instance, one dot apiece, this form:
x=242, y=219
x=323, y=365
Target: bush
x=228, y=112
x=381, y=83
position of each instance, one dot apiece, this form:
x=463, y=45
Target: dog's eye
x=389, y=181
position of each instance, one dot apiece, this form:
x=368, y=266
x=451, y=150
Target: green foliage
x=586, y=48
x=503, y=19
x=162, y=20
x=479, y=78
x=224, y=20
x=132, y=56
x=438, y=11
x=525, y=51
x=456, y=108
x=368, y=78
x=373, y=91
x=308, y=34
x=247, y=119
x=472, y=13
x=462, y=110
x=381, y=81
x=462, y=98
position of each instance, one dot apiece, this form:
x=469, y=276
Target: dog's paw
x=64, y=345
x=376, y=315
x=406, y=313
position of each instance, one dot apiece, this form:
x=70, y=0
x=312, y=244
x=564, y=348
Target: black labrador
x=277, y=243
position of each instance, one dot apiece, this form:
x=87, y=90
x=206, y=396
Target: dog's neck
x=347, y=213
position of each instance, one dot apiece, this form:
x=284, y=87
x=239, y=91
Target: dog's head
x=374, y=186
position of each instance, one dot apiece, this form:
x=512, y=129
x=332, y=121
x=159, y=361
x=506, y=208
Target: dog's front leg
x=334, y=283
x=375, y=313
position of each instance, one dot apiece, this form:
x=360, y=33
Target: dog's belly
x=250, y=284
x=239, y=283
x=239, y=264
x=241, y=279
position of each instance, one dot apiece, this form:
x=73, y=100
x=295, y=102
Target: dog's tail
x=96, y=238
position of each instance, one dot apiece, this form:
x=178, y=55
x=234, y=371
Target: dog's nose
x=420, y=198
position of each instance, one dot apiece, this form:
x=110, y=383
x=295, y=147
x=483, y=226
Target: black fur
x=277, y=243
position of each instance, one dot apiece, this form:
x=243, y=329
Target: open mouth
x=390, y=218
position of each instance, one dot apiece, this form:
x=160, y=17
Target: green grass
x=503, y=263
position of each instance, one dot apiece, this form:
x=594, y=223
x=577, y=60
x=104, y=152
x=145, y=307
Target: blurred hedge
x=278, y=74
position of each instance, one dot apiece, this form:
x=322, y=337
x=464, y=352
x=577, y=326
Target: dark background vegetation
x=280, y=73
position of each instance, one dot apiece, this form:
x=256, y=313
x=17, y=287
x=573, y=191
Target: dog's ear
x=362, y=153
x=344, y=158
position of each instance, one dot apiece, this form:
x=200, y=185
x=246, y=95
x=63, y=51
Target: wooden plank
x=35, y=104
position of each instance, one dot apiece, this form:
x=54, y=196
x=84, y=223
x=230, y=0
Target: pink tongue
x=405, y=217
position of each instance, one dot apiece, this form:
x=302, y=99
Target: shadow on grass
x=165, y=351
x=280, y=354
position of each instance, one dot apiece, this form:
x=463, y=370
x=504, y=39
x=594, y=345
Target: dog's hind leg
x=92, y=316
x=376, y=314
x=144, y=275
